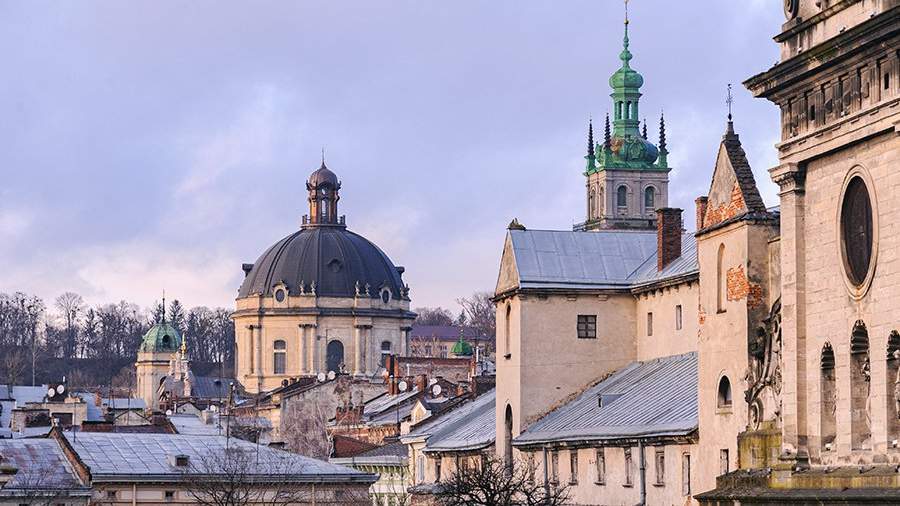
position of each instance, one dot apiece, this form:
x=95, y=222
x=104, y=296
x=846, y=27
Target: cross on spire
x=626, y=12
x=729, y=100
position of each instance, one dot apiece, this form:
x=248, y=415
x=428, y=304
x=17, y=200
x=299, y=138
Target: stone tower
x=627, y=176
x=158, y=351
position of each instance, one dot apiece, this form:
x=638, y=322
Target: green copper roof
x=626, y=148
x=461, y=348
x=162, y=337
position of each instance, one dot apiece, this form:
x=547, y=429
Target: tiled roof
x=345, y=446
x=644, y=399
x=41, y=464
x=747, y=183
x=118, y=457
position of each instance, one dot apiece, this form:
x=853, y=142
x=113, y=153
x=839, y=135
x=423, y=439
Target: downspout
x=133, y=494
x=546, y=476
x=643, y=468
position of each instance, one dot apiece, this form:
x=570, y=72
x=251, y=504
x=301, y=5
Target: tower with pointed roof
x=159, y=348
x=627, y=175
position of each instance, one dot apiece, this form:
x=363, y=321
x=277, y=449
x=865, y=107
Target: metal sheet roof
x=41, y=464
x=141, y=456
x=644, y=399
x=470, y=427
x=599, y=259
x=685, y=264
x=20, y=396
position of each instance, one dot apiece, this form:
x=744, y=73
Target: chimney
x=421, y=382
x=701, y=204
x=668, y=236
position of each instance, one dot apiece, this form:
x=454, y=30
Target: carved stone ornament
x=763, y=377
x=791, y=8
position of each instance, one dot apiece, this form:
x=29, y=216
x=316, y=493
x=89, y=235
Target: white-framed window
x=280, y=357
x=600, y=465
x=686, y=474
x=629, y=468
x=660, y=458
x=573, y=467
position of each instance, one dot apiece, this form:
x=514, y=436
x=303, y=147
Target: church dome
x=162, y=337
x=634, y=149
x=333, y=258
x=321, y=176
x=461, y=348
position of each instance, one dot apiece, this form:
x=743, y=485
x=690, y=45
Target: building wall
x=349, y=494
x=150, y=368
x=614, y=489
x=605, y=185
x=667, y=339
x=546, y=360
x=308, y=334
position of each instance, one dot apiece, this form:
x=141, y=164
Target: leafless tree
x=433, y=316
x=492, y=483
x=304, y=428
x=238, y=476
x=39, y=484
x=479, y=313
x=14, y=364
x=70, y=306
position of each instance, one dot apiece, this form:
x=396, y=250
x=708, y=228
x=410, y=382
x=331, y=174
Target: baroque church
x=754, y=359
x=321, y=300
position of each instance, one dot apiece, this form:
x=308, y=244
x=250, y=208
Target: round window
x=279, y=295
x=856, y=230
x=385, y=296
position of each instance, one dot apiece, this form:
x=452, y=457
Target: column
x=304, y=349
x=251, y=362
x=357, y=350
x=404, y=341
x=259, y=338
x=790, y=178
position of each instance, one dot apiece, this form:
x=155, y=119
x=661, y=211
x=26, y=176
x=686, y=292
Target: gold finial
x=626, y=12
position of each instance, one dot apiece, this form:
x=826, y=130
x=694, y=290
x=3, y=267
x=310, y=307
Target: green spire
x=663, y=150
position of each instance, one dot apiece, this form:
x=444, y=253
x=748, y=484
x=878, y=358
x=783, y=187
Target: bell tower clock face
x=791, y=7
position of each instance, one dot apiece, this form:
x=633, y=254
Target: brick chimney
x=668, y=236
x=701, y=204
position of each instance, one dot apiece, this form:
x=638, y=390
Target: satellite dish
x=60, y=389
x=168, y=412
x=436, y=390
x=320, y=377
x=432, y=381
x=214, y=408
x=402, y=386
x=51, y=392
x=331, y=375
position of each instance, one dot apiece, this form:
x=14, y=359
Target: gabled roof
x=567, y=259
x=468, y=427
x=654, y=398
x=738, y=159
x=147, y=457
x=41, y=466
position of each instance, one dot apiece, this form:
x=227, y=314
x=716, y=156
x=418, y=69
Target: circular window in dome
x=279, y=295
x=857, y=231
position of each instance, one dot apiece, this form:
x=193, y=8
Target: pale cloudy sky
x=160, y=144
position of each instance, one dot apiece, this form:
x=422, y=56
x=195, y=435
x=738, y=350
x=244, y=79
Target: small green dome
x=162, y=337
x=461, y=348
x=634, y=149
x=626, y=77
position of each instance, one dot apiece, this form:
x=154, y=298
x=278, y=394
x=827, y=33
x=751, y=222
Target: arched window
x=860, y=389
x=627, y=110
x=649, y=198
x=334, y=356
x=323, y=209
x=280, y=357
x=828, y=401
x=507, y=329
x=385, y=352
x=720, y=280
x=622, y=196
x=592, y=205
x=618, y=110
x=724, y=396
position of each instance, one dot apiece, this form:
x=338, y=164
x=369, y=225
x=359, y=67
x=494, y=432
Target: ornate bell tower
x=627, y=175
x=324, y=192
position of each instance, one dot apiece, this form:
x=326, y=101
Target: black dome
x=323, y=176
x=332, y=256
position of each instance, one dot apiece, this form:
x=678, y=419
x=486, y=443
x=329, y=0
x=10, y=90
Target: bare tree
x=239, y=475
x=70, y=306
x=304, y=428
x=479, y=313
x=433, y=316
x=14, y=365
x=493, y=483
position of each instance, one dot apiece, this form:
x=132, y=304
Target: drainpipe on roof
x=643, y=468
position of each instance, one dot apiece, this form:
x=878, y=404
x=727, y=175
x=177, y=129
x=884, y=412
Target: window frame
x=679, y=317
x=586, y=326
x=279, y=357
x=685, y=474
x=573, y=467
x=649, y=323
x=629, y=468
x=600, y=466
x=660, y=461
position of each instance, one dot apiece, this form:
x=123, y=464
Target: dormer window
x=280, y=295
x=385, y=295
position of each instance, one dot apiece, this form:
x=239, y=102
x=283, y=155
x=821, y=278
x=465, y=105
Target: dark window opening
x=587, y=326
x=724, y=397
x=856, y=230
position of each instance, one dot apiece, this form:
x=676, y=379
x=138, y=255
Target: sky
x=157, y=145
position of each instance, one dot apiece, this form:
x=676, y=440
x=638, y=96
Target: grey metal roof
x=94, y=413
x=193, y=425
x=565, y=259
x=41, y=464
x=115, y=457
x=469, y=427
x=683, y=265
x=644, y=399
x=123, y=403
